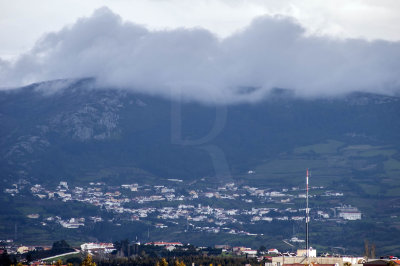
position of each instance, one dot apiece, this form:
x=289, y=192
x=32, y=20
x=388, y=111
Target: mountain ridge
x=38, y=123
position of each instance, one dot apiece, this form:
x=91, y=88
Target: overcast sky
x=218, y=46
x=22, y=22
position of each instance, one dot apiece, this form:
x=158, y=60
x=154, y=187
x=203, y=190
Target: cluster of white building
x=116, y=199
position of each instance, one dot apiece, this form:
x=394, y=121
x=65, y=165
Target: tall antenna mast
x=307, y=217
x=15, y=232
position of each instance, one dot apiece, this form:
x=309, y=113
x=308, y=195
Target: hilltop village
x=197, y=209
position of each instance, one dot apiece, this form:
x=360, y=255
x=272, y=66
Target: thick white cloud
x=271, y=52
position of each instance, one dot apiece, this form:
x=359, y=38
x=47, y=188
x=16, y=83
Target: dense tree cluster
x=6, y=259
x=132, y=254
x=59, y=247
x=181, y=261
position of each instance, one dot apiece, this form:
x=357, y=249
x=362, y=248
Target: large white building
x=97, y=247
x=349, y=213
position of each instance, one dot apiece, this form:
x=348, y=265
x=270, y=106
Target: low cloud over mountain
x=272, y=52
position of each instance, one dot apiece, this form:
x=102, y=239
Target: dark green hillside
x=89, y=133
x=82, y=134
